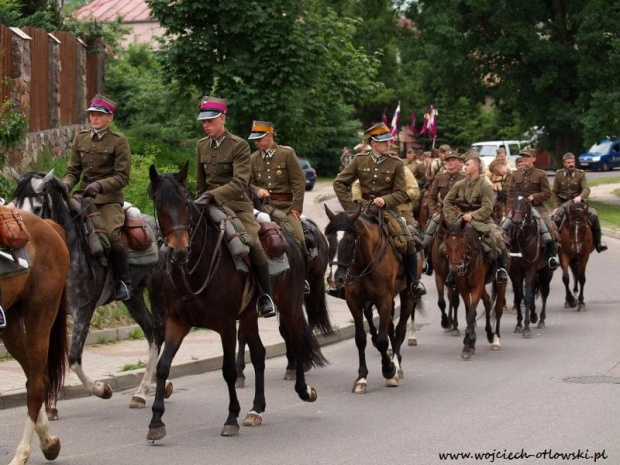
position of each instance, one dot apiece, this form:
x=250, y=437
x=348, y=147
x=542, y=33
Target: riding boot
x=122, y=290
x=2, y=318
x=599, y=245
x=416, y=288
x=501, y=276
x=428, y=263
x=551, y=250
x=265, y=306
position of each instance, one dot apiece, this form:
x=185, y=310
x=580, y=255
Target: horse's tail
x=316, y=308
x=57, y=352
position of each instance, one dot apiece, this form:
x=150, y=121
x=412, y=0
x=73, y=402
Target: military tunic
x=476, y=192
x=224, y=170
x=282, y=176
x=440, y=188
x=385, y=179
x=438, y=166
x=567, y=186
x=106, y=160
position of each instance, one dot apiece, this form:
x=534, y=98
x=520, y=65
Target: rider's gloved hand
x=93, y=189
x=205, y=199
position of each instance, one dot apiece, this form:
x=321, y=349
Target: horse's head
x=521, y=209
x=342, y=235
x=457, y=249
x=174, y=211
x=39, y=193
x=577, y=223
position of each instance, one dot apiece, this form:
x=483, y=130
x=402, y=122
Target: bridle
x=577, y=227
x=466, y=257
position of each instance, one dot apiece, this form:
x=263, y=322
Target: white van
x=488, y=150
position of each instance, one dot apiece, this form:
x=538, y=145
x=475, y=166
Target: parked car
x=488, y=149
x=603, y=156
x=309, y=172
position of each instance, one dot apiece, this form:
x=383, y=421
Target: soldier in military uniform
x=277, y=175
x=474, y=198
x=441, y=186
x=535, y=183
x=383, y=182
x=103, y=160
x=438, y=165
x=570, y=185
x=223, y=170
x=499, y=175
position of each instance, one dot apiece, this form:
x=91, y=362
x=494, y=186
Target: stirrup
x=553, y=263
x=122, y=291
x=306, y=287
x=2, y=318
x=426, y=268
x=501, y=277
x=417, y=289
x=600, y=247
x=265, y=306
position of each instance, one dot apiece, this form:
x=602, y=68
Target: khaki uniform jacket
x=224, y=171
x=441, y=186
x=107, y=161
x=535, y=183
x=478, y=192
x=438, y=166
x=280, y=174
x=413, y=190
x=567, y=187
x=385, y=179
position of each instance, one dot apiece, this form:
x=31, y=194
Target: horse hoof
x=240, y=383
x=540, y=325
x=137, y=402
x=445, y=324
x=455, y=332
x=400, y=374
x=472, y=351
x=527, y=333
x=534, y=318
x=253, y=419
x=103, y=391
x=392, y=382
x=518, y=329
x=53, y=449
x=496, y=347
x=412, y=341
x=312, y=394
x=230, y=430
x=582, y=307
x=155, y=434
x=290, y=375
x=360, y=387
x=168, y=390
x=465, y=354
x=52, y=414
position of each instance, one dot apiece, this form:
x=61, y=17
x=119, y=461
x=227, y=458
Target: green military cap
x=452, y=154
x=211, y=107
x=528, y=153
x=445, y=148
x=471, y=155
x=568, y=156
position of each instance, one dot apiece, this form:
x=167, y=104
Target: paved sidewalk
x=201, y=351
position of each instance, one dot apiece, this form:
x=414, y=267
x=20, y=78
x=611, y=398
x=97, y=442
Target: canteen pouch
x=238, y=242
x=136, y=233
x=272, y=239
x=13, y=232
x=98, y=240
x=401, y=238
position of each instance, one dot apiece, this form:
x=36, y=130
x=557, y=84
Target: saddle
x=13, y=232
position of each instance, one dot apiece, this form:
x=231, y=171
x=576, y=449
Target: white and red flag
x=430, y=123
x=395, y=120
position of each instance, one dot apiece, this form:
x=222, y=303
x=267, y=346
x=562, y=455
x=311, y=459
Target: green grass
x=134, y=366
x=5, y=358
x=608, y=214
x=112, y=315
x=616, y=192
x=136, y=334
x=104, y=341
x=601, y=181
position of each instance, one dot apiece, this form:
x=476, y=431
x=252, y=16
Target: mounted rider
x=383, y=182
x=535, y=184
x=438, y=165
x=102, y=158
x=570, y=185
x=474, y=198
x=223, y=171
x=277, y=176
x=500, y=175
x=441, y=186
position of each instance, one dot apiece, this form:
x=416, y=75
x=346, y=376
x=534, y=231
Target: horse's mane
x=340, y=222
x=460, y=228
x=167, y=189
x=55, y=190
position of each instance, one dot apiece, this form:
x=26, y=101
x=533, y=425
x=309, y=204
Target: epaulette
x=559, y=171
x=203, y=139
x=83, y=131
x=235, y=137
x=581, y=171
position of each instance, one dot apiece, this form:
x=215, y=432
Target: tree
x=285, y=61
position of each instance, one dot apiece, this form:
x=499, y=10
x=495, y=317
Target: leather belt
x=368, y=196
x=283, y=197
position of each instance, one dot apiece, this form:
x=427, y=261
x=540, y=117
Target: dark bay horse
x=466, y=261
x=90, y=284
x=528, y=265
x=36, y=331
x=500, y=207
x=577, y=245
x=371, y=273
x=202, y=288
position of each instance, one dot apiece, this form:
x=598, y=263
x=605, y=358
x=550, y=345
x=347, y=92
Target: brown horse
x=371, y=273
x=577, y=245
x=528, y=265
x=36, y=330
x=202, y=288
x=467, y=262
x=500, y=207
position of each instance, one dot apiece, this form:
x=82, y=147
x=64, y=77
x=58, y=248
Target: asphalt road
x=555, y=393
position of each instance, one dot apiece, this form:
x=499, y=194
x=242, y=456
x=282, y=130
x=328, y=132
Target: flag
x=412, y=124
x=384, y=118
x=430, y=123
x=395, y=120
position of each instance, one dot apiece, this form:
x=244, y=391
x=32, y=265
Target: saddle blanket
x=8, y=266
x=276, y=267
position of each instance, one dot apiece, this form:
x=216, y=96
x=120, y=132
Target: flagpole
x=434, y=138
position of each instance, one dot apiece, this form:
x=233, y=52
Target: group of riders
x=228, y=173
